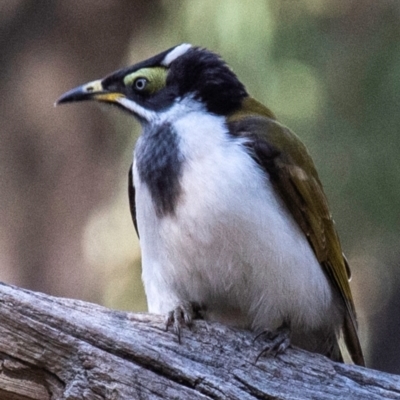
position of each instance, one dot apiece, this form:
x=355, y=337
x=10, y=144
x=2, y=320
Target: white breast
x=232, y=245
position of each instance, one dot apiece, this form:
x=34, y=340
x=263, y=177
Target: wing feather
x=132, y=202
x=290, y=167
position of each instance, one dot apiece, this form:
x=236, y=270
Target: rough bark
x=56, y=348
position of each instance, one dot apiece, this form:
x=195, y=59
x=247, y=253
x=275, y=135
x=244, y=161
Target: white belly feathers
x=231, y=245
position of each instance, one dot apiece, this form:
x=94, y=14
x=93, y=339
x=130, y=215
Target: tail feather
x=352, y=341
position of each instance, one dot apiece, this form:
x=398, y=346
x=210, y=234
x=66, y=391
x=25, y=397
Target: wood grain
x=56, y=348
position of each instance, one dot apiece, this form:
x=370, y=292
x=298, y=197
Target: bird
x=233, y=222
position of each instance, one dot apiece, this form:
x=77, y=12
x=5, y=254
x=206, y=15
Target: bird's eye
x=140, y=84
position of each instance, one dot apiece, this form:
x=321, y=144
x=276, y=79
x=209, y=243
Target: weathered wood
x=55, y=348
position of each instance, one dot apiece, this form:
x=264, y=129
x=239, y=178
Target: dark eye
x=140, y=84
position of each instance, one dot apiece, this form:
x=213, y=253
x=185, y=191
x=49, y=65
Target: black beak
x=90, y=91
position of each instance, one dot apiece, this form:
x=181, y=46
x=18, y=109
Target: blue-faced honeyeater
x=230, y=211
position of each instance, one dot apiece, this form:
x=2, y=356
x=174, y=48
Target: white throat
x=180, y=108
x=231, y=244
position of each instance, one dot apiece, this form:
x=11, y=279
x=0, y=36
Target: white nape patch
x=175, y=53
x=142, y=112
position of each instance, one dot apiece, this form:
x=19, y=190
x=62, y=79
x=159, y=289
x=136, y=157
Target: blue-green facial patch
x=155, y=76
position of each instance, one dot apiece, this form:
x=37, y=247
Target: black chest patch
x=159, y=164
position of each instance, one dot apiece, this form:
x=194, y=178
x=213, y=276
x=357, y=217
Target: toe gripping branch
x=279, y=341
x=183, y=316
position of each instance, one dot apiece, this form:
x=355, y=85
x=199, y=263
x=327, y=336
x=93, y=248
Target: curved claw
x=182, y=315
x=279, y=341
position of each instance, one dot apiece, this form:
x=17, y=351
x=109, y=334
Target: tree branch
x=54, y=348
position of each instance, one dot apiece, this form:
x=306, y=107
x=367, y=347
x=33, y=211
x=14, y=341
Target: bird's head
x=152, y=87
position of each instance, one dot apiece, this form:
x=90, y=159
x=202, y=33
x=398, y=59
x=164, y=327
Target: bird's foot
x=279, y=341
x=183, y=315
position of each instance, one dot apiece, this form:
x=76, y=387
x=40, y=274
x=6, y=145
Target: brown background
x=329, y=69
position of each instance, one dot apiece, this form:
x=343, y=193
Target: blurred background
x=330, y=69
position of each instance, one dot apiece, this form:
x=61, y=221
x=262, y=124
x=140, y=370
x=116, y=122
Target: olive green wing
x=291, y=170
